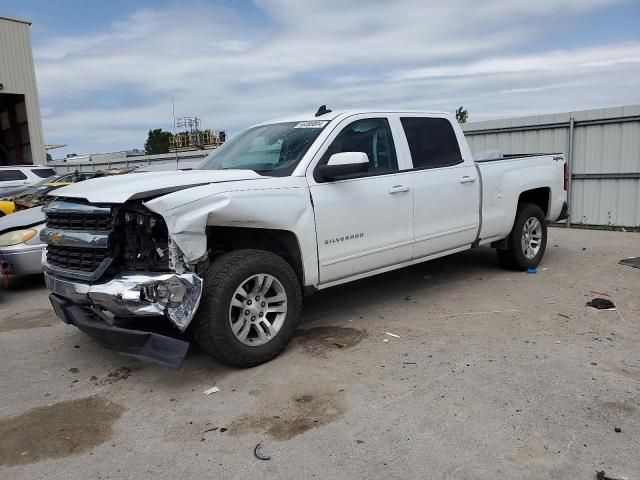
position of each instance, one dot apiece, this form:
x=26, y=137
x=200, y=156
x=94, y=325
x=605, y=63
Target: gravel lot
x=495, y=374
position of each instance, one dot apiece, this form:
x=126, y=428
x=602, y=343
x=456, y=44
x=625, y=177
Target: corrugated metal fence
x=603, y=150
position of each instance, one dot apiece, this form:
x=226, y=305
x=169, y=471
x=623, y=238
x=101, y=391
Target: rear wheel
x=249, y=309
x=527, y=241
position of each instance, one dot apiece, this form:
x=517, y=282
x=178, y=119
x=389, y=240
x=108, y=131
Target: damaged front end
x=106, y=265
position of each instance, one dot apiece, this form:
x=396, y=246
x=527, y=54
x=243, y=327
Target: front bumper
x=22, y=259
x=176, y=296
x=148, y=346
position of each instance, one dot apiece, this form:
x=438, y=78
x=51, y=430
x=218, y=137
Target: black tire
x=514, y=256
x=211, y=327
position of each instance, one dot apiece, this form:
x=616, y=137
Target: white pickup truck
x=282, y=209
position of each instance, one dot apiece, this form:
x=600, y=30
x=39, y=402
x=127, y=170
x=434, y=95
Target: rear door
x=363, y=223
x=446, y=187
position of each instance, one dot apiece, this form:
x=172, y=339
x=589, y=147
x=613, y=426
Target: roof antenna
x=322, y=110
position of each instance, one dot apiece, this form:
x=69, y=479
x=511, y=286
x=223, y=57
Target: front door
x=363, y=223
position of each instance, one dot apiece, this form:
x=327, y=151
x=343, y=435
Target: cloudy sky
x=107, y=70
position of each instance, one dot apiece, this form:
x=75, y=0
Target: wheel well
x=537, y=196
x=221, y=240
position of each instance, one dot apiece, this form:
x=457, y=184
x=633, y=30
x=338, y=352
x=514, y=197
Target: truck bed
x=502, y=181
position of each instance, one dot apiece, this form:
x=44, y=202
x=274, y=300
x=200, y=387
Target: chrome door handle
x=398, y=189
x=467, y=179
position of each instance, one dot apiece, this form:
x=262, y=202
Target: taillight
x=566, y=177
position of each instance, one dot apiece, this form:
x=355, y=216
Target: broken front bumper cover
x=148, y=346
x=176, y=296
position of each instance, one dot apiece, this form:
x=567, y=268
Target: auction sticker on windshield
x=312, y=124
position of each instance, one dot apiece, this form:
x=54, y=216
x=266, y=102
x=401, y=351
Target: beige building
x=21, y=140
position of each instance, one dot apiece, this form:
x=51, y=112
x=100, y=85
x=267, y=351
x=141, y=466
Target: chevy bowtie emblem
x=55, y=238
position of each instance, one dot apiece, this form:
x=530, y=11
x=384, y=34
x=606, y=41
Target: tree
x=461, y=114
x=157, y=142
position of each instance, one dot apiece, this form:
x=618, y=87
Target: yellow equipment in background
x=196, y=140
x=7, y=207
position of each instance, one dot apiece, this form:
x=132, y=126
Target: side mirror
x=344, y=163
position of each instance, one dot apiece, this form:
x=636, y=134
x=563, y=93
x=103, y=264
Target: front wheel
x=249, y=309
x=527, y=241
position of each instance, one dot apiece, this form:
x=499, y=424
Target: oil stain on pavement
x=40, y=317
x=302, y=413
x=322, y=340
x=58, y=430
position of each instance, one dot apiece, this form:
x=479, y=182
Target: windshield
x=272, y=150
x=36, y=187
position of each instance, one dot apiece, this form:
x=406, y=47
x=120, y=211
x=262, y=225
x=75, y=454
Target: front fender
x=187, y=213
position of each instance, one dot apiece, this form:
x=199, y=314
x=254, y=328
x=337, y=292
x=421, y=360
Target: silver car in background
x=20, y=245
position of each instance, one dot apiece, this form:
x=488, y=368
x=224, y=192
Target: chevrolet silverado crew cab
x=282, y=209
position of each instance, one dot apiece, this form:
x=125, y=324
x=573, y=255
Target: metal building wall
x=603, y=150
x=17, y=75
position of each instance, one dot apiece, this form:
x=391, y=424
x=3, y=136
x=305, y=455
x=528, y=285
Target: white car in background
x=15, y=179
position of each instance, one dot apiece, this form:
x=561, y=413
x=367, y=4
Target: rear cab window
x=432, y=142
x=11, y=175
x=44, y=172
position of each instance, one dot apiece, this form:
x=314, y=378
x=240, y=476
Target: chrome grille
x=69, y=227
x=68, y=221
x=79, y=259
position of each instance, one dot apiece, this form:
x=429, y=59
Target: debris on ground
x=564, y=316
x=595, y=292
x=603, y=476
x=258, y=454
x=116, y=375
x=212, y=429
x=631, y=262
x=617, y=430
x=74, y=370
x=211, y=390
x=601, y=304
x=392, y=334
x=532, y=271
x=385, y=340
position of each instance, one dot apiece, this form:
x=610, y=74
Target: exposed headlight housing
x=16, y=237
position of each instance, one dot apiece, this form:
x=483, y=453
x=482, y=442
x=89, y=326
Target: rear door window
x=432, y=142
x=44, y=172
x=11, y=175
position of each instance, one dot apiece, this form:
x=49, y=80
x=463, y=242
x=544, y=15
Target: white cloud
x=103, y=91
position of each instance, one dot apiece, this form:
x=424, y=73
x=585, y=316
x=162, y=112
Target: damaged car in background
x=282, y=209
x=20, y=245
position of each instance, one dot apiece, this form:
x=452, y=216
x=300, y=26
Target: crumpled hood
x=120, y=188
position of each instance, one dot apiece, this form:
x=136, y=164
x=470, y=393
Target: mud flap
x=147, y=346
